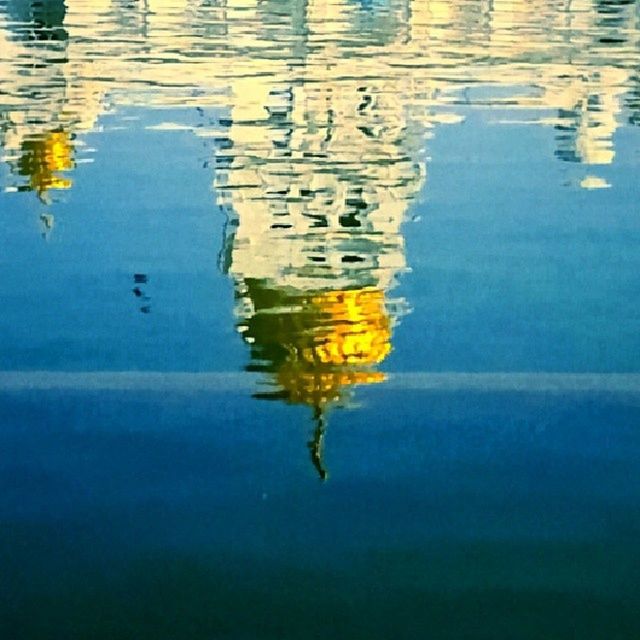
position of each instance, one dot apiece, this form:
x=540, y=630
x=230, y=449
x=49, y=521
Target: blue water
x=514, y=267
x=319, y=319
x=471, y=514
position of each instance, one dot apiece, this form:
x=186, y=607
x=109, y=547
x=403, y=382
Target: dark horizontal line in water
x=221, y=381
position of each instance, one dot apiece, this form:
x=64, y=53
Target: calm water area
x=319, y=318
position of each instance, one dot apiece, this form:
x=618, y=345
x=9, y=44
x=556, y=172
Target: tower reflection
x=36, y=139
x=316, y=172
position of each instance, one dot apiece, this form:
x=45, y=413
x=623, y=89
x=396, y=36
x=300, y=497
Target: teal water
x=319, y=318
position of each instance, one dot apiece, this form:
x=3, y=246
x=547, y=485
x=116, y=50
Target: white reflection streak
x=223, y=381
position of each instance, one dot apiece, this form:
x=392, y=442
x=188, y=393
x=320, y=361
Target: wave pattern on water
x=329, y=106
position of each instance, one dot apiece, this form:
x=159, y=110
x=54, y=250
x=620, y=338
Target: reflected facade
x=63, y=65
x=315, y=196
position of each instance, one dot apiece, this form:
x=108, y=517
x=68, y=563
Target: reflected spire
x=316, y=443
x=315, y=347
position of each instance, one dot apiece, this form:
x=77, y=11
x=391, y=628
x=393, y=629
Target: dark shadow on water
x=168, y=596
x=38, y=20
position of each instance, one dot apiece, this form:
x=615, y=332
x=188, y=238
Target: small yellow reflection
x=42, y=160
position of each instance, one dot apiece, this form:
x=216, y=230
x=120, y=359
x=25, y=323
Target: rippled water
x=411, y=224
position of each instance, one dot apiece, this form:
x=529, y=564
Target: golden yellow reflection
x=316, y=346
x=44, y=159
x=357, y=330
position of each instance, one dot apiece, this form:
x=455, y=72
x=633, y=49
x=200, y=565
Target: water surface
x=319, y=318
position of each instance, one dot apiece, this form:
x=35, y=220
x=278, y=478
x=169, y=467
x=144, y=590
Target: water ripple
x=329, y=106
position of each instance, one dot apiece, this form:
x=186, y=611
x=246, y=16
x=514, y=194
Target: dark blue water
x=445, y=515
